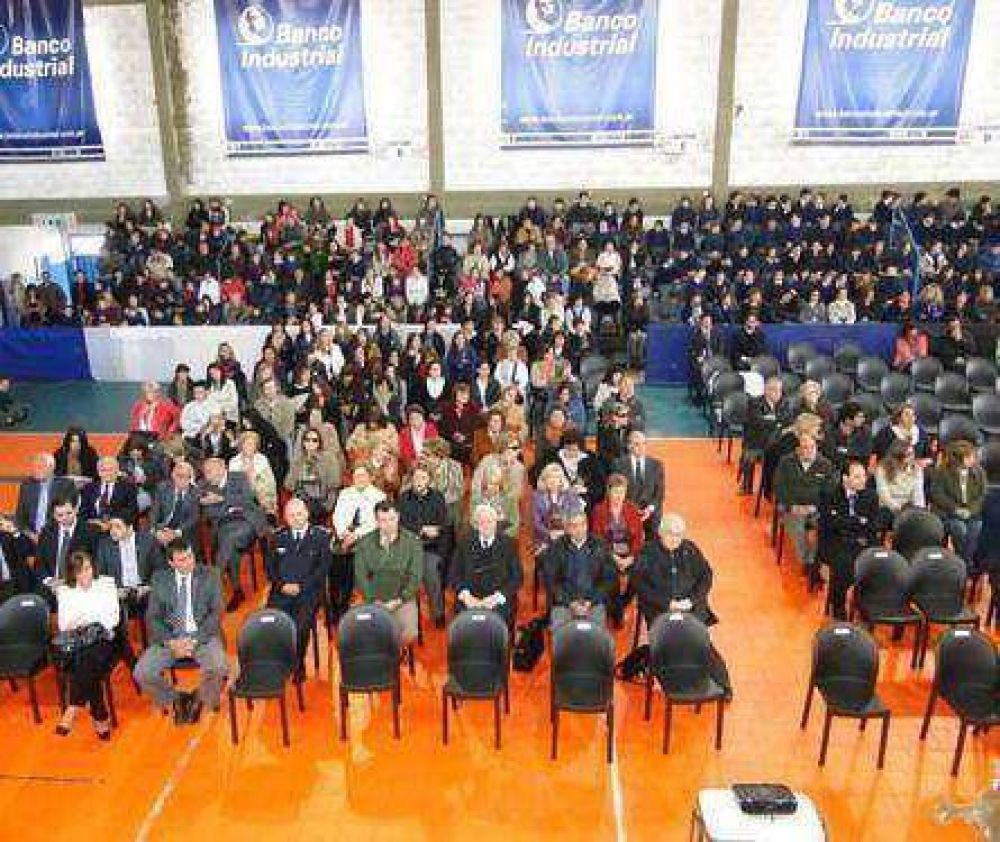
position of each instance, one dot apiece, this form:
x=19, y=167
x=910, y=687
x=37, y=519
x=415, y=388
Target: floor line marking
x=617, y=799
x=180, y=767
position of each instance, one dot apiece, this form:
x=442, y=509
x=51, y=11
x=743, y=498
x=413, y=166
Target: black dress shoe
x=180, y=708
x=193, y=712
x=235, y=601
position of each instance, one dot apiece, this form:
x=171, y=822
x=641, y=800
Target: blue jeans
x=964, y=535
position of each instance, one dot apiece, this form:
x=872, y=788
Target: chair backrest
x=713, y=365
x=837, y=388
x=915, y=529
x=735, y=408
x=798, y=353
x=726, y=383
x=847, y=356
x=845, y=664
x=478, y=643
x=368, y=646
x=267, y=637
x=679, y=648
x=955, y=427
x=819, y=366
x=925, y=371
x=951, y=389
x=981, y=374
x=895, y=388
x=871, y=370
x=583, y=663
x=24, y=622
x=966, y=658
x=790, y=383
x=870, y=403
x=986, y=412
x=766, y=366
x=937, y=581
x=881, y=582
x=594, y=367
x=989, y=459
x=928, y=410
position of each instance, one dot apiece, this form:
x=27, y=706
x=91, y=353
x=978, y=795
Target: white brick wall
x=122, y=76
x=768, y=58
x=686, y=82
x=394, y=62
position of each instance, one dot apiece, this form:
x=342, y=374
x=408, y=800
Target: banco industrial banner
x=578, y=72
x=46, y=101
x=292, y=77
x=887, y=71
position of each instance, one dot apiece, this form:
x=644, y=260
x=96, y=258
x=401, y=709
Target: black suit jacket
x=163, y=508
x=660, y=576
x=84, y=537
x=612, y=442
x=599, y=581
x=149, y=557
x=843, y=535
x=27, y=500
x=489, y=397
x=486, y=571
x=16, y=551
x=701, y=347
x=304, y=563
x=649, y=492
x=124, y=503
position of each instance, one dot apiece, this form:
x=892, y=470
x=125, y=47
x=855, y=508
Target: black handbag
x=530, y=645
x=765, y=799
x=67, y=645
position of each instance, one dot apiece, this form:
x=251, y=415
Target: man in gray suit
x=35, y=496
x=175, y=510
x=235, y=519
x=130, y=556
x=645, y=481
x=184, y=618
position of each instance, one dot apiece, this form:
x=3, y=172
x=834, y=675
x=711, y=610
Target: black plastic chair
x=967, y=677
x=735, y=409
x=24, y=643
x=958, y=428
x=928, y=410
x=981, y=375
x=726, y=383
x=798, y=354
x=953, y=392
x=871, y=403
x=709, y=368
x=478, y=664
x=369, y=651
x=837, y=389
x=986, y=413
x=790, y=382
x=989, y=460
x=937, y=588
x=871, y=370
x=844, y=670
x=881, y=593
x=915, y=529
x=583, y=676
x=766, y=366
x=895, y=390
x=925, y=372
x=847, y=356
x=819, y=366
x=679, y=648
x=266, y=651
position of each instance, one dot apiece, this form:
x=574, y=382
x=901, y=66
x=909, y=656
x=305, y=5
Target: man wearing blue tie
x=35, y=496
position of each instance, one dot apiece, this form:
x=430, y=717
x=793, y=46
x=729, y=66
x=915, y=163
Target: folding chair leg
x=917, y=644
x=283, y=708
x=667, y=715
x=496, y=722
x=959, y=747
x=343, y=714
x=883, y=741
x=862, y=723
x=395, y=711
x=649, y=696
x=444, y=716
x=611, y=731
x=301, y=697
x=555, y=733
x=233, y=731
x=928, y=713
x=826, y=738
x=808, y=705
x=110, y=697
x=719, y=717
x=315, y=643
x=36, y=714
x=536, y=575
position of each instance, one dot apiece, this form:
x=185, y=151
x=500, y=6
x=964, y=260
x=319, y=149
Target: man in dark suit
x=487, y=571
x=612, y=432
x=645, y=481
x=184, y=619
x=65, y=533
x=176, y=507
x=109, y=496
x=297, y=566
x=424, y=512
x=848, y=524
x=706, y=341
x=15, y=549
x=583, y=574
x=130, y=556
x=234, y=517
x=485, y=388
x=35, y=496
x=766, y=415
x=217, y=441
x=749, y=342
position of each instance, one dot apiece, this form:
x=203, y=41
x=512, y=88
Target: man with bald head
x=298, y=562
x=109, y=496
x=35, y=496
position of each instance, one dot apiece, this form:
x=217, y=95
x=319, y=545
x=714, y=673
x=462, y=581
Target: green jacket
x=393, y=572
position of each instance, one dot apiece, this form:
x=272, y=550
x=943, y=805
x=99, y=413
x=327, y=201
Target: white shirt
x=190, y=626
x=130, y=562
x=352, y=501
x=332, y=360
x=96, y=604
x=196, y=415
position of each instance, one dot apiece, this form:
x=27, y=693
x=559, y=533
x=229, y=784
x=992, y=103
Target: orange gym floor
x=156, y=781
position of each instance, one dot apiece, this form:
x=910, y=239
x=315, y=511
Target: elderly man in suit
x=184, y=619
x=110, y=495
x=35, y=496
x=645, y=481
x=487, y=570
x=235, y=519
x=297, y=565
x=175, y=510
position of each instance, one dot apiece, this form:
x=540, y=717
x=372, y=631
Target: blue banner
x=46, y=101
x=888, y=71
x=578, y=72
x=292, y=79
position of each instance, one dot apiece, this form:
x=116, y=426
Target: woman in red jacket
x=617, y=521
x=153, y=414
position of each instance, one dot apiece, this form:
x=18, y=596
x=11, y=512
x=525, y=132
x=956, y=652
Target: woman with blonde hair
x=494, y=490
x=253, y=464
x=552, y=503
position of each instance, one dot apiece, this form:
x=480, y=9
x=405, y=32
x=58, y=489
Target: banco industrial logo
x=543, y=16
x=255, y=26
x=852, y=12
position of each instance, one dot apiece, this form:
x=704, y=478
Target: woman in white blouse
x=254, y=466
x=223, y=394
x=899, y=480
x=83, y=600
